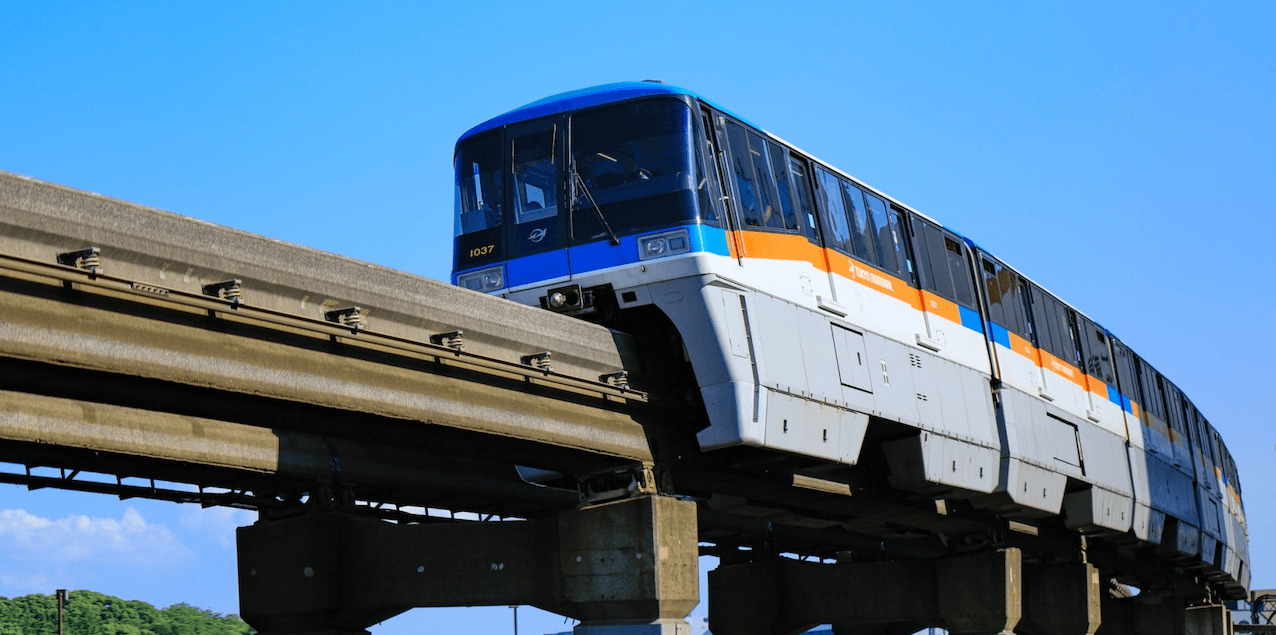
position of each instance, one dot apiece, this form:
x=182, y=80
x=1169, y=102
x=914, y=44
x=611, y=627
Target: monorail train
x=810, y=304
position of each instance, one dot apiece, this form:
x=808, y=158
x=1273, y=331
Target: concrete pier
x=626, y=567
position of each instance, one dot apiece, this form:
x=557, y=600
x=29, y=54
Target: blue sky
x=1121, y=155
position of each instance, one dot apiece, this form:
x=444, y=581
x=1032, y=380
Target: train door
x=537, y=235
x=716, y=131
x=803, y=180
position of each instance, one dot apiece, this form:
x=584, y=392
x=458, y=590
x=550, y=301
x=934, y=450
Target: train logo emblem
x=537, y=235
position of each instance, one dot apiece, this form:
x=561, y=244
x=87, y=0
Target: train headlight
x=483, y=280
x=664, y=244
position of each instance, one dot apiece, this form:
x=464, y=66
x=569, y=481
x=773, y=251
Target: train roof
x=585, y=98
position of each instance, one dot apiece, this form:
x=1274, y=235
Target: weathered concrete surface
x=976, y=593
x=39, y=220
x=629, y=564
x=1061, y=599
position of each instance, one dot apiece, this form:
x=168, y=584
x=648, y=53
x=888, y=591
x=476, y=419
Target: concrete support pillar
x=1060, y=599
x=1162, y=614
x=975, y=593
x=627, y=567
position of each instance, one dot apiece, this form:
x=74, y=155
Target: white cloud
x=79, y=538
x=216, y=523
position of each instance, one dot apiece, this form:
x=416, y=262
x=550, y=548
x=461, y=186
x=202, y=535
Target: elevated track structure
x=152, y=355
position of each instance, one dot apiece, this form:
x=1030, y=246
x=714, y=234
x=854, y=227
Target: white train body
x=1006, y=396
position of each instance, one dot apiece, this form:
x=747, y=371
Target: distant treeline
x=89, y=613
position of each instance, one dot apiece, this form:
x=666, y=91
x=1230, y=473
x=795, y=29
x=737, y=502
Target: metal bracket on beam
x=351, y=317
x=539, y=361
x=228, y=290
x=87, y=259
x=619, y=379
x=454, y=340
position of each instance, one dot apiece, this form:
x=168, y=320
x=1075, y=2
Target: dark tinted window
x=1125, y=361
x=861, y=228
x=1043, y=324
x=772, y=215
x=535, y=176
x=745, y=181
x=800, y=175
x=1007, y=303
x=937, y=277
x=899, y=242
x=780, y=169
x=1153, y=399
x=478, y=184
x=637, y=161
x=1094, y=345
x=963, y=284
x=837, y=233
x=883, y=239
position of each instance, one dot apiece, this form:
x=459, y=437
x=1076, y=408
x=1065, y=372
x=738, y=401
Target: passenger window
x=1006, y=301
x=805, y=202
x=838, y=235
x=779, y=165
x=882, y=236
x=768, y=198
x=1043, y=326
x=996, y=306
x=1098, y=362
x=939, y=276
x=535, y=176
x=861, y=229
x=899, y=242
x=745, y=182
x=963, y=284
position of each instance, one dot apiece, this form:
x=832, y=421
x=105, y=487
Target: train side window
x=1044, y=326
x=1158, y=397
x=883, y=237
x=833, y=210
x=800, y=174
x=958, y=266
x=780, y=167
x=1024, y=307
x=768, y=197
x=996, y=303
x=900, y=243
x=861, y=228
x=745, y=181
x=1126, y=376
x=709, y=189
x=939, y=278
x=1094, y=344
x=1006, y=299
x=1074, y=351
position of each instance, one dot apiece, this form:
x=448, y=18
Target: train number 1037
x=482, y=251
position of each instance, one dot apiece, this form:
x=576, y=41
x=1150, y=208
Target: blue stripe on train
x=1115, y=396
x=998, y=334
x=536, y=267
x=602, y=254
x=970, y=319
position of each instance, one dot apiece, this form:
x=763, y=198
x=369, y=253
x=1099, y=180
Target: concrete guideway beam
x=974, y=593
x=39, y=220
x=154, y=342
x=627, y=567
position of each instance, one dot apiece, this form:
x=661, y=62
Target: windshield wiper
x=576, y=178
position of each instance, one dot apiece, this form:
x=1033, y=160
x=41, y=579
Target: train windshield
x=632, y=167
x=638, y=163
